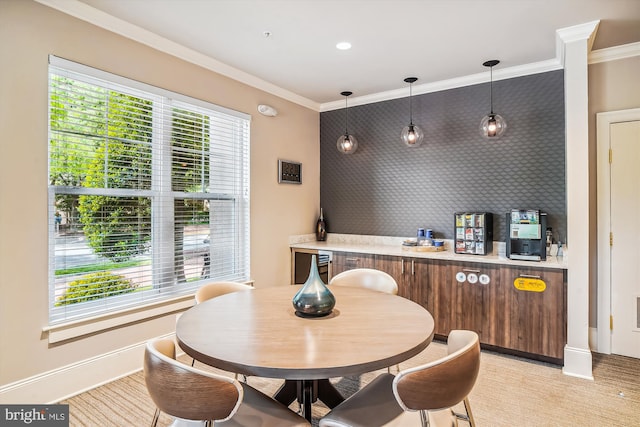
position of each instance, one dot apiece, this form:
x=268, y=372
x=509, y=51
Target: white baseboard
x=577, y=363
x=62, y=383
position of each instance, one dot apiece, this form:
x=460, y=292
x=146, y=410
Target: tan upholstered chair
x=366, y=278
x=423, y=395
x=188, y=393
x=215, y=289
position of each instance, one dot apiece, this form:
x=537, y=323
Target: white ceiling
x=434, y=40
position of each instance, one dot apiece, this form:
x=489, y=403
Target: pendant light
x=347, y=144
x=412, y=135
x=493, y=125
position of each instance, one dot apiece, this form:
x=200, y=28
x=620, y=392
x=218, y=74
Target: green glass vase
x=314, y=299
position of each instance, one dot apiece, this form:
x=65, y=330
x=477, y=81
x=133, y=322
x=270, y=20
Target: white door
x=625, y=228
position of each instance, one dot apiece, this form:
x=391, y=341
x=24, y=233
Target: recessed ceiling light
x=344, y=45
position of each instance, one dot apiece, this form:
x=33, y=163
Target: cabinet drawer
x=343, y=261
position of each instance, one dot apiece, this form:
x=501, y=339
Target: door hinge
x=611, y=322
x=610, y=156
x=610, y=239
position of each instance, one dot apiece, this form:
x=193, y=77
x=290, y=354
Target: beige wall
x=613, y=86
x=29, y=32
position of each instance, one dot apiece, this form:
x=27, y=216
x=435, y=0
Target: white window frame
x=62, y=319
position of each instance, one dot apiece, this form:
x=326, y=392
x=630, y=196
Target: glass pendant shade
x=492, y=126
x=314, y=299
x=412, y=135
x=347, y=144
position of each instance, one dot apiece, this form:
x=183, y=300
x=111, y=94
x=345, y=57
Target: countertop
x=384, y=245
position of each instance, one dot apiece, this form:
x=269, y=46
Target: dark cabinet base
x=483, y=298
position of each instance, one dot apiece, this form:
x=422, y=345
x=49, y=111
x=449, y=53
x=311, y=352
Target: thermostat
x=289, y=172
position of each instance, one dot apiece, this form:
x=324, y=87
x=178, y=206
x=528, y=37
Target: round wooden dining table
x=258, y=333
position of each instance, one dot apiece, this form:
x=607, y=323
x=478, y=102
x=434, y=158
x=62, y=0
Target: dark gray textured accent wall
x=388, y=189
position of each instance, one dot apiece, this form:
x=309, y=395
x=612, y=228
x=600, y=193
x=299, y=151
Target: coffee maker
x=526, y=238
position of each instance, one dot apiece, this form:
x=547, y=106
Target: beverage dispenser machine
x=526, y=238
x=474, y=233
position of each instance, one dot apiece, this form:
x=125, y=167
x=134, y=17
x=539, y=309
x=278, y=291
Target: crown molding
x=578, y=32
x=564, y=36
x=96, y=17
x=614, y=53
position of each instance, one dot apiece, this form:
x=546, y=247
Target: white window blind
x=148, y=193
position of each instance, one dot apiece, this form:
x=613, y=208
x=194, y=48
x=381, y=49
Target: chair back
x=442, y=383
x=215, y=289
x=366, y=278
x=185, y=392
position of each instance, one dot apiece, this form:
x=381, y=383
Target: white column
x=575, y=44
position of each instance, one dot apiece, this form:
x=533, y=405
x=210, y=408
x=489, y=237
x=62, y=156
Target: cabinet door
x=480, y=302
x=343, y=261
x=538, y=322
x=394, y=266
x=419, y=272
x=496, y=312
x=411, y=275
x=469, y=296
x=440, y=299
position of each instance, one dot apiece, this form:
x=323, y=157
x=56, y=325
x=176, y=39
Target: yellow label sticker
x=528, y=284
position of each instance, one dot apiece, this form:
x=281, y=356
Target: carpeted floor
x=510, y=391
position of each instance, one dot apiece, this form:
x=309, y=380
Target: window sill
x=76, y=329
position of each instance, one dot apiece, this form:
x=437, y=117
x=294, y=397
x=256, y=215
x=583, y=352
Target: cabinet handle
x=354, y=260
x=413, y=269
x=529, y=276
x=471, y=271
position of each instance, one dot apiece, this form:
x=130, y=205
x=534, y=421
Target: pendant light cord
x=410, y=104
x=346, y=113
x=491, y=87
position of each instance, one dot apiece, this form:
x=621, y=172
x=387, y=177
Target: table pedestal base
x=307, y=392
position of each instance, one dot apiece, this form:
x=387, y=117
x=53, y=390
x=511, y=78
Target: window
x=148, y=193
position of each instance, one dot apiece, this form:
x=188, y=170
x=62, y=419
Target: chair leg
x=156, y=415
x=424, y=418
x=467, y=408
x=468, y=417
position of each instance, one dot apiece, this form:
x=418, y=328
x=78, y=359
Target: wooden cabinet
x=480, y=297
x=411, y=275
x=483, y=298
x=537, y=320
x=343, y=261
x=468, y=296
